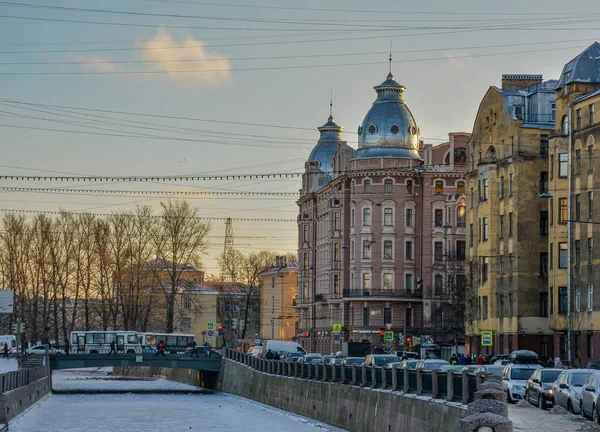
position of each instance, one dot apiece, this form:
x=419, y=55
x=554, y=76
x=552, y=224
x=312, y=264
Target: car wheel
x=508, y=399
x=570, y=407
x=527, y=396
x=541, y=402
x=581, y=411
x=595, y=417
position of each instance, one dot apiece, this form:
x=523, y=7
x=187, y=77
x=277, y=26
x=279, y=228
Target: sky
x=174, y=87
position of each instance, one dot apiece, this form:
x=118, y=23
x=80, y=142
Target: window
x=438, y=218
x=304, y=289
x=544, y=144
x=519, y=111
x=409, y=187
x=305, y=261
x=485, y=189
x=439, y=187
x=387, y=250
x=438, y=251
x=485, y=307
x=366, y=249
x=439, y=318
x=471, y=234
x=336, y=284
x=484, y=269
x=366, y=282
x=551, y=300
x=577, y=253
x=578, y=117
x=511, y=264
x=366, y=316
x=186, y=323
x=408, y=279
x=543, y=304
x=551, y=167
x=461, y=250
x=590, y=344
x=562, y=300
x=438, y=284
x=501, y=261
x=367, y=216
x=352, y=216
x=590, y=250
x=336, y=221
x=511, y=146
x=408, y=317
x=591, y=158
x=351, y=250
x=388, y=186
x=388, y=216
x=511, y=310
x=388, y=279
x=591, y=115
x=408, y=253
x=553, y=112
x=577, y=162
x=272, y=304
x=273, y=282
x=461, y=216
x=590, y=204
x=367, y=186
x=501, y=187
x=387, y=315
x=305, y=233
x=544, y=264
x=511, y=184
x=551, y=255
x=485, y=229
x=409, y=217
x=563, y=215
x=472, y=194
x=563, y=159
x=590, y=297
x=565, y=125
x=544, y=181
x=562, y=255
x=187, y=303
x=501, y=226
x=501, y=311
x=510, y=224
x=543, y=223
x=336, y=252
x=551, y=211
x=460, y=187
x=577, y=299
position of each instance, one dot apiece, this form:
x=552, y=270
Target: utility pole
x=228, y=248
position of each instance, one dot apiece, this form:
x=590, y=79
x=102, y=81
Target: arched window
x=439, y=187
x=461, y=216
x=389, y=186
x=565, y=125
x=409, y=187
x=367, y=216
x=460, y=187
x=367, y=186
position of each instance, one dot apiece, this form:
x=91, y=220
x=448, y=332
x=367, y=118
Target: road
x=145, y=412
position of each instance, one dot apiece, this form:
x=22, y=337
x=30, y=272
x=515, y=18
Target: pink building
x=382, y=234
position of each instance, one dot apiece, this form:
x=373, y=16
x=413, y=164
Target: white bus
x=10, y=340
x=175, y=343
x=98, y=342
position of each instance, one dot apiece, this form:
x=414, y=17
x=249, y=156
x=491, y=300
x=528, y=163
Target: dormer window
x=372, y=129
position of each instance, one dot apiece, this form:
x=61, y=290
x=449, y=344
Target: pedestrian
x=113, y=349
x=550, y=363
x=462, y=360
x=468, y=360
x=5, y=351
x=432, y=355
x=453, y=360
x=558, y=363
x=193, y=351
x=66, y=347
x=160, y=349
x=269, y=355
x=480, y=360
x=276, y=356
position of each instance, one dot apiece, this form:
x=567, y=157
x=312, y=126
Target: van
x=279, y=346
x=256, y=351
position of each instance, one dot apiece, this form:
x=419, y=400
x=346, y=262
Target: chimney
x=520, y=81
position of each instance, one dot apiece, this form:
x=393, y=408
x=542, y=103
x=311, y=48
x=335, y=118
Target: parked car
x=349, y=361
x=469, y=368
x=41, y=350
x=312, y=358
x=293, y=357
x=411, y=364
x=538, y=389
x=329, y=359
x=256, y=351
x=380, y=359
x=489, y=370
x=430, y=364
x=514, y=379
x=407, y=354
x=451, y=368
x=567, y=388
x=589, y=397
x=501, y=362
x=593, y=364
x=393, y=365
x=497, y=357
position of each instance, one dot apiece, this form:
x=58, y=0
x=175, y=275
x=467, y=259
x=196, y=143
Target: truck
x=356, y=349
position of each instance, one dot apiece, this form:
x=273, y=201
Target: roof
x=290, y=267
x=585, y=96
x=188, y=287
x=583, y=68
x=161, y=264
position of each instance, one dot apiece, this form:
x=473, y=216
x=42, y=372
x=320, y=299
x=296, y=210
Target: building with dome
x=381, y=243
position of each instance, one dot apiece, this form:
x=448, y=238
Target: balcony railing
x=488, y=160
x=379, y=293
x=301, y=301
x=332, y=296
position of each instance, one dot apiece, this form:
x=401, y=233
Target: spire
x=331, y=104
x=390, y=57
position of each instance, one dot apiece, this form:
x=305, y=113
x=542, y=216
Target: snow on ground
x=97, y=379
x=8, y=365
x=534, y=419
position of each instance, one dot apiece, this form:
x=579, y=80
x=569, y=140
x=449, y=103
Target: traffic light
x=381, y=336
x=409, y=341
x=220, y=328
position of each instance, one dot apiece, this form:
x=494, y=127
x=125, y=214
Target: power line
x=146, y=192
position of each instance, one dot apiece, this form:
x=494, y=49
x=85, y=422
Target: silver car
x=589, y=397
x=567, y=388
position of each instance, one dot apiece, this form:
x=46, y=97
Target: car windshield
x=354, y=360
x=294, y=354
x=495, y=370
x=382, y=361
x=433, y=365
x=521, y=374
x=311, y=358
x=579, y=379
x=550, y=376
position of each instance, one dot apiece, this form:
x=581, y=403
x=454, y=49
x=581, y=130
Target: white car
x=41, y=350
x=514, y=379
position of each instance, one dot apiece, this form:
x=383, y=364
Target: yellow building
x=278, y=292
x=507, y=220
x=195, y=307
x=574, y=254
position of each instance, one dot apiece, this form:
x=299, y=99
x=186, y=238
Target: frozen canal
x=151, y=412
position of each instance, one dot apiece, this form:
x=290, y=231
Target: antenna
x=390, y=56
x=330, y=102
x=228, y=251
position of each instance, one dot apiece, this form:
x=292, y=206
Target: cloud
x=168, y=54
x=97, y=63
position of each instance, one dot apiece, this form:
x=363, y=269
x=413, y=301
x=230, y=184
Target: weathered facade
x=507, y=222
x=574, y=234
x=382, y=233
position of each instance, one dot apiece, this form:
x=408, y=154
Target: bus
x=175, y=343
x=10, y=340
x=98, y=342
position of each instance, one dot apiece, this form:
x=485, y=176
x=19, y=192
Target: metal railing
x=20, y=378
x=451, y=386
x=383, y=293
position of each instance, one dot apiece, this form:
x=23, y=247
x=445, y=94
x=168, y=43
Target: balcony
x=319, y=298
x=488, y=160
x=332, y=296
x=378, y=293
x=301, y=302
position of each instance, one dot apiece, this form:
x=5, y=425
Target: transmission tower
x=228, y=251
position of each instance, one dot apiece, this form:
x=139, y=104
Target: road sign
x=138, y=359
x=210, y=333
x=210, y=325
x=389, y=335
x=337, y=328
x=256, y=342
x=336, y=337
x=486, y=338
x=389, y=325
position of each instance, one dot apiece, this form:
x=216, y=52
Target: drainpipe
x=570, y=123
x=314, y=273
